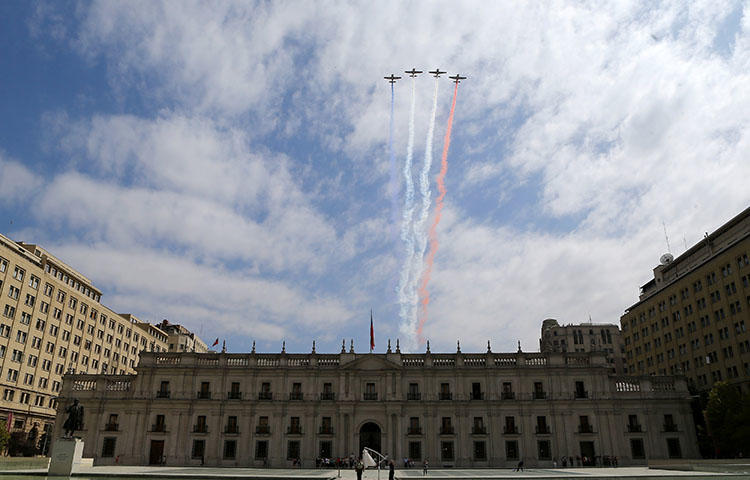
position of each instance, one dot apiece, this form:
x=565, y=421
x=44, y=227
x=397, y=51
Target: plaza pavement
x=411, y=474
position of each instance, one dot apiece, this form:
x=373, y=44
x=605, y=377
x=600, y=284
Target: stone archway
x=369, y=436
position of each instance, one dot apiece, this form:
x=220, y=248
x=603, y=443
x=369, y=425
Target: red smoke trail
x=423, y=293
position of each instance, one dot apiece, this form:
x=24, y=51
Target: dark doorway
x=369, y=436
x=157, y=452
x=588, y=454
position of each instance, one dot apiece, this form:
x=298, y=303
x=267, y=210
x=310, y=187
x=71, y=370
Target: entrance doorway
x=156, y=453
x=369, y=436
x=588, y=454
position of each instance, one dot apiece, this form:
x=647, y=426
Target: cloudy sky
x=226, y=165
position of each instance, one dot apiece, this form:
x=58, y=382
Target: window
x=446, y=451
x=446, y=427
x=18, y=273
x=511, y=449
x=9, y=311
x=480, y=450
x=413, y=393
x=543, y=449
x=261, y=449
x=294, y=426
x=673, y=448
x=3, y=265
x=415, y=450
x=232, y=425
x=414, y=428
x=199, y=449
x=370, y=393
x=292, y=450
x=48, y=289
x=30, y=299
x=8, y=394
x=476, y=391
x=478, y=427
x=230, y=449
x=108, y=448
x=510, y=425
x=200, y=424
x=445, y=391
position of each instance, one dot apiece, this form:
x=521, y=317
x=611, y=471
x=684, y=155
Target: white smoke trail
x=420, y=226
x=407, y=312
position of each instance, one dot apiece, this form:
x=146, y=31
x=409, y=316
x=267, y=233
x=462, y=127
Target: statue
x=75, y=419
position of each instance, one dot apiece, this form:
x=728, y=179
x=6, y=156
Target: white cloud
x=626, y=115
x=17, y=183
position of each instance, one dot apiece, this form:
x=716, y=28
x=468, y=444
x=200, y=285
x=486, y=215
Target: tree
x=728, y=419
x=4, y=436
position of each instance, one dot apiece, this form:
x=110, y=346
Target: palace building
x=454, y=409
x=692, y=317
x=52, y=322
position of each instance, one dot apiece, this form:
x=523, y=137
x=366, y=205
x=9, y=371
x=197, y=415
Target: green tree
x=728, y=419
x=4, y=436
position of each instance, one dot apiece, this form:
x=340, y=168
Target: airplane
x=413, y=72
x=392, y=79
x=457, y=78
x=436, y=73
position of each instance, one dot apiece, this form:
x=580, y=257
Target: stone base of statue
x=66, y=456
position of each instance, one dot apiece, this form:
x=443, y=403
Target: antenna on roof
x=666, y=237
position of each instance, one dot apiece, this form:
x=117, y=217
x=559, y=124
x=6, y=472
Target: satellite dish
x=666, y=258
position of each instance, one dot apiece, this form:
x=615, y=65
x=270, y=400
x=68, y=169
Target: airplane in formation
x=436, y=73
x=392, y=78
x=413, y=72
x=457, y=78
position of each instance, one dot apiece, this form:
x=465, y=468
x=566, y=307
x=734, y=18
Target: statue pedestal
x=66, y=456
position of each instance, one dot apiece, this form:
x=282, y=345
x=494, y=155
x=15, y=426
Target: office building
x=692, y=317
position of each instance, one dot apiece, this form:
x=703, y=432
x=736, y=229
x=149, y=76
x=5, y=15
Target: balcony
x=479, y=430
x=446, y=396
x=234, y=395
x=162, y=394
x=328, y=396
x=477, y=396
x=414, y=431
x=111, y=427
x=206, y=395
x=670, y=427
x=510, y=430
x=447, y=430
x=585, y=428
x=540, y=395
x=370, y=396
x=632, y=428
x=414, y=396
x=508, y=396
x=265, y=396
x=294, y=430
x=581, y=394
x=326, y=430
x=542, y=430
x=262, y=430
x=296, y=396
x=200, y=429
x=158, y=427
x=232, y=429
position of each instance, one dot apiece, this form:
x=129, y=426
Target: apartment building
x=692, y=317
x=52, y=323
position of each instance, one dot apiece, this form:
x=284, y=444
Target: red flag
x=372, y=334
x=215, y=342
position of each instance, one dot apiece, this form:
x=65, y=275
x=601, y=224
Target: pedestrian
x=360, y=467
x=425, y=465
x=519, y=468
x=391, y=470
x=554, y=462
x=614, y=462
x=564, y=461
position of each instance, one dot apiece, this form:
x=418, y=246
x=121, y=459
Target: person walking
x=391, y=470
x=359, y=468
x=519, y=468
x=425, y=465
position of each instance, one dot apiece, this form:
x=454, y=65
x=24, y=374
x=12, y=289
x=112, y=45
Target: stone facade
x=458, y=409
x=584, y=337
